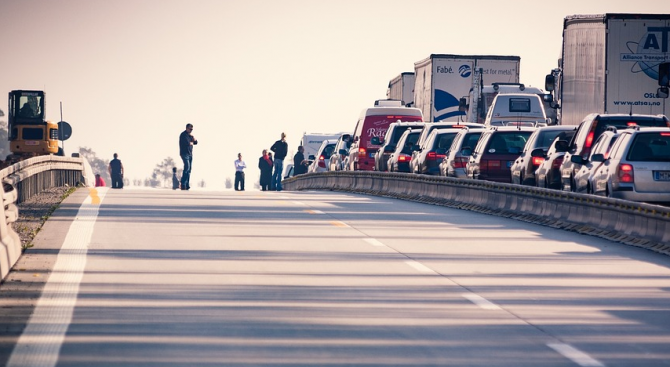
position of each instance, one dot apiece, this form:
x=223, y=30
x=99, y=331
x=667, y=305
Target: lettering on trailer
x=445, y=69
x=651, y=50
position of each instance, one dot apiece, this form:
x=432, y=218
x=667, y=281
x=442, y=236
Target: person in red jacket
x=99, y=182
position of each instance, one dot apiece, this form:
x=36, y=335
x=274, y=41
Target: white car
x=322, y=158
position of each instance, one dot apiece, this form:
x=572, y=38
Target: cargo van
x=517, y=109
x=373, y=122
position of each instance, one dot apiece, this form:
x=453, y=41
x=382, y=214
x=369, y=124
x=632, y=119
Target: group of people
x=115, y=169
x=271, y=169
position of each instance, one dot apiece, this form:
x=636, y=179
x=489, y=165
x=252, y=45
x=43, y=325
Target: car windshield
x=547, y=137
x=508, y=142
x=443, y=141
x=410, y=141
x=328, y=150
x=471, y=140
x=650, y=147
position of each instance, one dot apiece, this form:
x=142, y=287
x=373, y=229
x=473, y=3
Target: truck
x=402, y=88
x=611, y=63
x=441, y=80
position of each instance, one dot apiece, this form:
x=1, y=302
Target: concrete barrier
x=637, y=224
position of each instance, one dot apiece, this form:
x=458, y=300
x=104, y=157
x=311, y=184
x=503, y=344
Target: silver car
x=454, y=163
x=638, y=166
x=583, y=177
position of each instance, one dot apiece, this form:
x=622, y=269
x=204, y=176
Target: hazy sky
x=132, y=73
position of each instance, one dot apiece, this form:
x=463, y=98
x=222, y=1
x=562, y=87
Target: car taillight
x=625, y=173
x=537, y=161
x=404, y=158
x=556, y=164
x=322, y=162
x=362, y=152
x=432, y=156
x=589, y=140
x=460, y=162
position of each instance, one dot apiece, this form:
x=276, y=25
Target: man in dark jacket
x=186, y=143
x=280, y=148
x=116, y=172
x=299, y=166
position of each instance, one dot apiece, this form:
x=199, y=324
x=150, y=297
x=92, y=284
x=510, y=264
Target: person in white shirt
x=239, y=173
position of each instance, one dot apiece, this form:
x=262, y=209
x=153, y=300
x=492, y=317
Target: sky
x=131, y=73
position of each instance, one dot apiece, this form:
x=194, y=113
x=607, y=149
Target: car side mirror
x=538, y=152
x=311, y=157
x=343, y=152
x=598, y=158
x=375, y=140
x=416, y=148
x=577, y=159
x=389, y=148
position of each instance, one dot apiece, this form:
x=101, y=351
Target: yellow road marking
x=337, y=223
x=95, y=199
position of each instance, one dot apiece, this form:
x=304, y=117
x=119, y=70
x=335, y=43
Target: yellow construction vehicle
x=30, y=134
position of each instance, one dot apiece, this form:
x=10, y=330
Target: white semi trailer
x=610, y=63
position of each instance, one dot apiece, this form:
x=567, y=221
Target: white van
x=517, y=109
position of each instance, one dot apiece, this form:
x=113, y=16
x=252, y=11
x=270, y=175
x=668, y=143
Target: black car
x=524, y=167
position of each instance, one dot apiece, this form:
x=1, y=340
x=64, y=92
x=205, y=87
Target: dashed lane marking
x=374, y=242
x=420, y=267
x=481, y=301
x=575, y=355
x=337, y=223
x=314, y=211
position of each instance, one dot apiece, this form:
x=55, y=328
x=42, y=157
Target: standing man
x=280, y=148
x=299, y=162
x=239, y=173
x=186, y=143
x=116, y=172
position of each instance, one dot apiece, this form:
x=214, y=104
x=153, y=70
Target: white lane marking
x=40, y=343
x=374, y=242
x=298, y=203
x=284, y=197
x=315, y=212
x=481, y=301
x=418, y=266
x=575, y=355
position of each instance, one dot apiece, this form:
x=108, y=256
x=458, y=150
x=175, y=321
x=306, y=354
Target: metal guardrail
x=638, y=224
x=26, y=179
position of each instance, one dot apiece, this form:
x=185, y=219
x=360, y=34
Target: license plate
x=32, y=142
x=372, y=155
x=661, y=175
x=509, y=164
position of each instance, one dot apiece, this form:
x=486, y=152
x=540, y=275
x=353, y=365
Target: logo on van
x=465, y=71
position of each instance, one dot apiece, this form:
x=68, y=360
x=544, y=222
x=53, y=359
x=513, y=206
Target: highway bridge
x=151, y=277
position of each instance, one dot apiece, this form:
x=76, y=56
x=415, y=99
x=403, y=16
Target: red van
x=374, y=122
